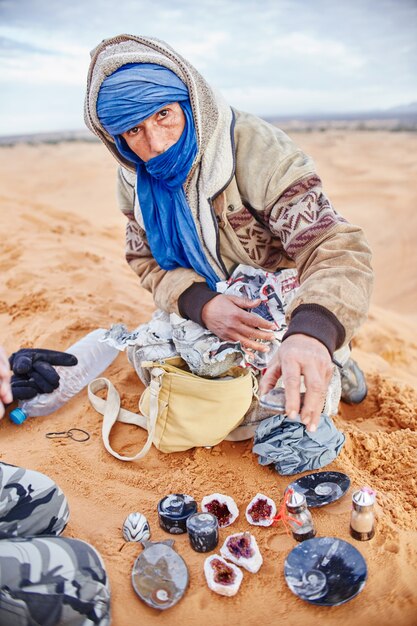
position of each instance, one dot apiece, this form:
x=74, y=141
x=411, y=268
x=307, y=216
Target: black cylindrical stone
x=173, y=511
x=203, y=531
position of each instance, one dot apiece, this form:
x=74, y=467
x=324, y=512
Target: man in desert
x=204, y=188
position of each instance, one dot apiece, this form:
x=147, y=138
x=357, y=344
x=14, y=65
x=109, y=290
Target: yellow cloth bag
x=179, y=409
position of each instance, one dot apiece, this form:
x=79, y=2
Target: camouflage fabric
x=45, y=580
x=30, y=503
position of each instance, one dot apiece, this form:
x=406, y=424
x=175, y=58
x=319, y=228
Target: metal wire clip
x=69, y=434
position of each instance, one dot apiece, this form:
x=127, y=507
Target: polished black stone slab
x=159, y=575
x=322, y=488
x=325, y=571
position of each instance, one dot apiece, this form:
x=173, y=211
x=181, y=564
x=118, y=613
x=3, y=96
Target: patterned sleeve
x=301, y=215
x=331, y=255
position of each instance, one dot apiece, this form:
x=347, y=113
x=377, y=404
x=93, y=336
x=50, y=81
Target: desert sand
x=63, y=274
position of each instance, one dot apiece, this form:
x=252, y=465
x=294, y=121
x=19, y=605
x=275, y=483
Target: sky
x=268, y=57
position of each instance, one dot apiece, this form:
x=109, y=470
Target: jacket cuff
x=318, y=322
x=192, y=301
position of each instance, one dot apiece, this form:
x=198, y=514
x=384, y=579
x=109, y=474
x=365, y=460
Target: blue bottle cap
x=18, y=416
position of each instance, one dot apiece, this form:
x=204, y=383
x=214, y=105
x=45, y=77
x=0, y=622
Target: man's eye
x=163, y=113
x=133, y=131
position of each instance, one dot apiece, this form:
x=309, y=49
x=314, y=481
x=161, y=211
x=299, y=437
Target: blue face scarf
x=127, y=97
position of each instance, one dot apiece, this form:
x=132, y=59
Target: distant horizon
x=399, y=112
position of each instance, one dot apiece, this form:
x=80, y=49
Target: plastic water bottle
x=93, y=355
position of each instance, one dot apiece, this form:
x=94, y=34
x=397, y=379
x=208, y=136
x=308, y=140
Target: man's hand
x=5, y=375
x=226, y=317
x=34, y=372
x=301, y=355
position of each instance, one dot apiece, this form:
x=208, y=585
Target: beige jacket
x=255, y=199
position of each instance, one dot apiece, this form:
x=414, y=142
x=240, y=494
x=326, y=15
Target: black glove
x=24, y=388
x=33, y=371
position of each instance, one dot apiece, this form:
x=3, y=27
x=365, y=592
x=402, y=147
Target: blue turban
x=127, y=97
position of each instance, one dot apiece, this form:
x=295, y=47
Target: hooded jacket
x=255, y=199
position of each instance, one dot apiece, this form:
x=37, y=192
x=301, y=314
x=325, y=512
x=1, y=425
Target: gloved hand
x=33, y=371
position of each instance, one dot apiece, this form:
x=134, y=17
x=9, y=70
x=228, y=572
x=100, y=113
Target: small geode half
x=223, y=507
x=261, y=510
x=222, y=577
x=242, y=549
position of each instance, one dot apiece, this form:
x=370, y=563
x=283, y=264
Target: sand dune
x=63, y=274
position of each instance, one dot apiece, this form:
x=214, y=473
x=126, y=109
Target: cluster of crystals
x=222, y=573
x=220, y=510
x=240, y=546
x=260, y=510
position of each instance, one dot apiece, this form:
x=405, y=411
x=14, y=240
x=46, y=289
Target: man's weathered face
x=157, y=133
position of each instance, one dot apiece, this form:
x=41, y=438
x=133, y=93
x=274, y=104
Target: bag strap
x=255, y=385
x=112, y=412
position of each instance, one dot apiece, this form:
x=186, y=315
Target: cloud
x=9, y=47
x=204, y=50
x=323, y=49
x=41, y=70
x=28, y=60
x=277, y=100
x=204, y=46
x=311, y=49
x=41, y=41
x=278, y=56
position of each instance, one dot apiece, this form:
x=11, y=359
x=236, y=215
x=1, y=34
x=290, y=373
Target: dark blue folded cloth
x=289, y=445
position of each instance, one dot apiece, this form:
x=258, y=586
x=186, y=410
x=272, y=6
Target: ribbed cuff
x=193, y=299
x=318, y=322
